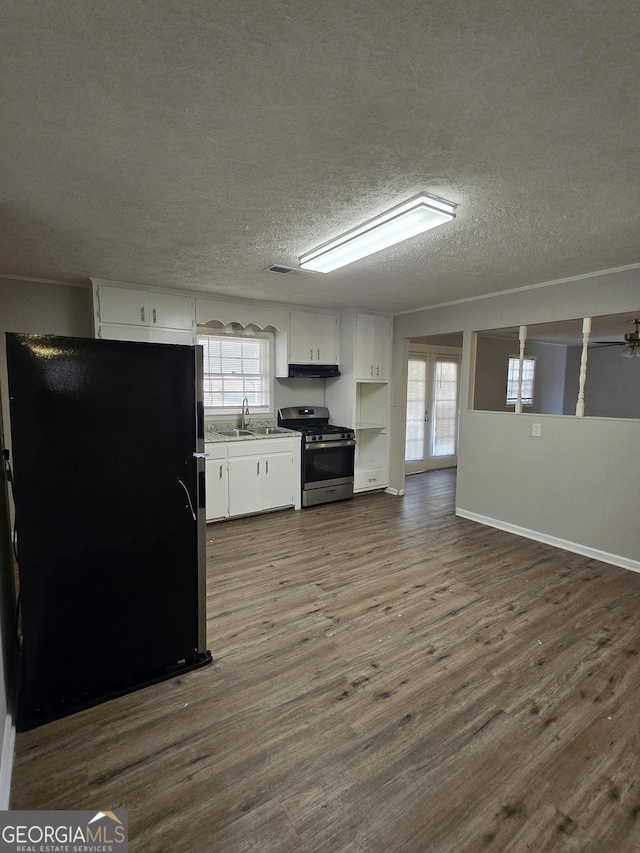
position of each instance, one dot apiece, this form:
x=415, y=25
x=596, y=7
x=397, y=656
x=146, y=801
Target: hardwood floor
x=387, y=678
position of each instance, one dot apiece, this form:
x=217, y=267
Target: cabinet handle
x=142, y=313
x=373, y=479
x=221, y=472
x=372, y=370
x=267, y=466
x=318, y=355
x=257, y=469
x=154, y=315
x=311, y=353
x=378, y=371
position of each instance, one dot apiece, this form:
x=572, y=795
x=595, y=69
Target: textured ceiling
x=193, y=143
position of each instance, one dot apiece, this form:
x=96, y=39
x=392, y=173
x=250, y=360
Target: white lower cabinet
x=245, y=485
x=258, y=475
x=277, y=486
x=217, y=489
x=374, y=478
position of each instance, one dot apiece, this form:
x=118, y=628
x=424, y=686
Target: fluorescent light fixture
x=406, y=220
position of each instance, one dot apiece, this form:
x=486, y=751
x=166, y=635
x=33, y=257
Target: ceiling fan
x=631, y=342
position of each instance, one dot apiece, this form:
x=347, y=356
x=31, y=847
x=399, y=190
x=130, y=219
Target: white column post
x=586, y=331
x=523, y=337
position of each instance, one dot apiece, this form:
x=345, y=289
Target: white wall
x=575, y=483
x=299, y=392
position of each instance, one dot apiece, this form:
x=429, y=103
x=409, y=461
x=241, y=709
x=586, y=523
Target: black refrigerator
x=107, y=451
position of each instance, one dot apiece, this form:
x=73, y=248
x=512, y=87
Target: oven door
x=328, y=463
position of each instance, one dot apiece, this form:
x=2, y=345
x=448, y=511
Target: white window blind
x=445, y=407
x=234, y=368
x=528, y=376
x=416, y=403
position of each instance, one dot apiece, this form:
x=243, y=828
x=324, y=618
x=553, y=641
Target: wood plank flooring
x=388, y=678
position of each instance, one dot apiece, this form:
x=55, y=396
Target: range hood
x=313, y=371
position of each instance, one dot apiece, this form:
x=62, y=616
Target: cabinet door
x=373, y=347
x=122, y=305
x=313, y=338
x=171, y=336
x=365, y=346
x=113, y=332
x=277, y=480
x=326, y=343
x=216, y=492
x=174, y=312
x=382, y=347
x=245, y=485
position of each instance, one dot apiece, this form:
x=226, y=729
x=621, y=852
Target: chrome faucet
x=244, y=414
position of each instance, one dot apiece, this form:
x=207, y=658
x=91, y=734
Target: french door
x=433, y=391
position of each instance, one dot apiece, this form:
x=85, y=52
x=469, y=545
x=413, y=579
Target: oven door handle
x=325, y=445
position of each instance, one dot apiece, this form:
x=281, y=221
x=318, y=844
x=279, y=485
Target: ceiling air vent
x=282, y=270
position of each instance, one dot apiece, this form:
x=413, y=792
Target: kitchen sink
x=235, y=433
x=268, y=430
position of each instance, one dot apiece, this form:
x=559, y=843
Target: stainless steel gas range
x=328, y=453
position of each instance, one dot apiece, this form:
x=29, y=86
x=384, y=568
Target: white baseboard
x=398, y=492
x=565, y=544
x=6, y=761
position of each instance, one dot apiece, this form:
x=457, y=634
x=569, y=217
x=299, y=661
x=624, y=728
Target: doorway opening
x=433, y=402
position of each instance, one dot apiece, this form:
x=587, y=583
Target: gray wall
x=492, y=361
x=575, y=482
x=492, y=358
x=549, y=385
x=612, y=389
x=572, y=380
x=43, y=309
x=8, y=662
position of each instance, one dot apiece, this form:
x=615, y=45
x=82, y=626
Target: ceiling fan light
x=406, y=220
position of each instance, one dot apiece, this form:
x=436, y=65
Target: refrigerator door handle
x=188, y=498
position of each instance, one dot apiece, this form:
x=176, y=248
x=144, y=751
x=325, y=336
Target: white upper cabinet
x=373, y=348
x=129, y=307
x=313, y=338
x=170, y=311
x=122, y=306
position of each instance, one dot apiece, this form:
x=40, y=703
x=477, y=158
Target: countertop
x=212, y=436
